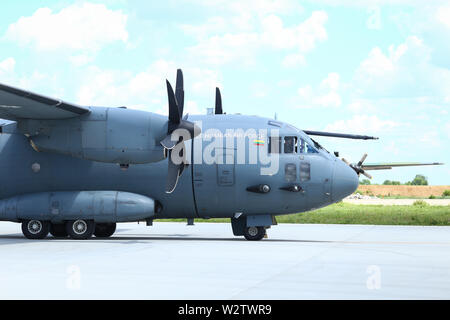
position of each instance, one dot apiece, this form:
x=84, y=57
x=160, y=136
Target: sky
x=372, y=67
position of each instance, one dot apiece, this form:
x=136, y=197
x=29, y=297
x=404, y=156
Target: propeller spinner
x=358, y=167
x=179, y=130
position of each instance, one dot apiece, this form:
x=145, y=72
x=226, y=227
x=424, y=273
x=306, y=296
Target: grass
x=343, y=213
x=406, y=197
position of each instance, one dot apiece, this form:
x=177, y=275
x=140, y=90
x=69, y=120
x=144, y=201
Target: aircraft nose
x=345, y=181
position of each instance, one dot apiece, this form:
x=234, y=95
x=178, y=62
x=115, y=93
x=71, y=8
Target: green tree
x=391, y=183
x=365, y=182
x=420, y=180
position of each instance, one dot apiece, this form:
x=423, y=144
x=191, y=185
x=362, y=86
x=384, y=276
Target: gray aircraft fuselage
x=203, y=191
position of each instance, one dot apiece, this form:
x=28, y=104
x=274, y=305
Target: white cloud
x=212, y=25
x=260, y=90
x=377, y=64
x=145, y=90
x=7, y=67
x=443, y=15
x=257, y=7
x=219, y=50
x=430, y=138
x=405, y=71
x=361, y=106
x=293, y=61
x=243, y=46
x=326, y=95
x=447, y=129
x=85, y=27
x=81, y=59
x=363, y=124
x=117, y=88
x=392, y=148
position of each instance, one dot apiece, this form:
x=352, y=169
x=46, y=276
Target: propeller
x=179, y=130
x=358, y=167
x=219, y=109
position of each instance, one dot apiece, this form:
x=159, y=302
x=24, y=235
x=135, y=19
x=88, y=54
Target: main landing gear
x=35, y=229
x=75, y=229
x=254, y=233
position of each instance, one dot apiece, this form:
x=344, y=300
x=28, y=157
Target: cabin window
x=290, y=172
x=305, y=171
x=290, y=145
x=274, y=145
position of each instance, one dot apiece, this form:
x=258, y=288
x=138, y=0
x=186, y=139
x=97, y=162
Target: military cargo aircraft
x=75, y=171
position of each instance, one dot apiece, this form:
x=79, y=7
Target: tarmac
x=205, y=261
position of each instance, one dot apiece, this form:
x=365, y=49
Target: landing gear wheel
x=35, y=229
x=58, y=230
x=254, y=233
x=80, y=229
x=105, y=230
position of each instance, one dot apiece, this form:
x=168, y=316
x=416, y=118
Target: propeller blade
x=183, y=154
x=345, y=161
x=189, y=127
x=367, y=175
x=179, y=91
x=362, y=160
x=174, y=111
x=219, y=109
x=177, y=122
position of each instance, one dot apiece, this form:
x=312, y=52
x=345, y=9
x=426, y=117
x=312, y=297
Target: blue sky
x=373, y=67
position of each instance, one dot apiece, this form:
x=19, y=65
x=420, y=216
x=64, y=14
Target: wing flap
x=16, y=104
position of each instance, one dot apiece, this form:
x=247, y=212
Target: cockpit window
x=290, y=145
x=310, y=149
x=305, y=147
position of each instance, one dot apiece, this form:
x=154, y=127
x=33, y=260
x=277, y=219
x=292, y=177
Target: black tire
x=80, y=229
x=105, y=230
x=254, y=233
x=58, y=230
x=35, y=229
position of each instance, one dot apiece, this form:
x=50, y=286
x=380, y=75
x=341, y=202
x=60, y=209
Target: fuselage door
x=214, y=185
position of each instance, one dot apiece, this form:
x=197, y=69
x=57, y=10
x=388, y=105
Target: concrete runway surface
x=173, y=261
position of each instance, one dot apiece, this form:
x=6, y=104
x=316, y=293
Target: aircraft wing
x=387, y=166
x=16, y=104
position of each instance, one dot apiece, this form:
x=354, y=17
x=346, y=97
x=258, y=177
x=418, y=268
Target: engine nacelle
x=100, y=206
x=112, y=135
